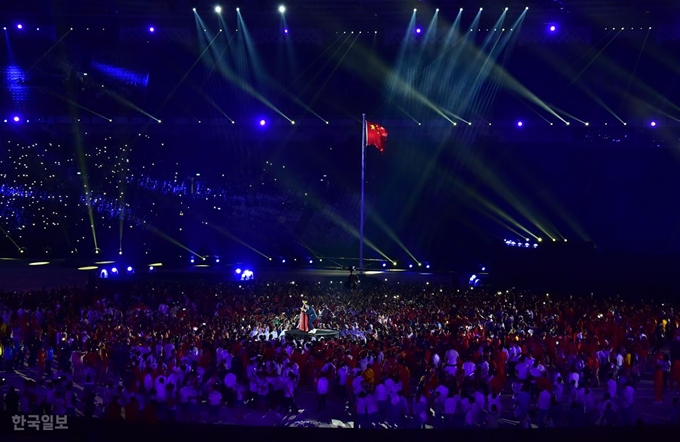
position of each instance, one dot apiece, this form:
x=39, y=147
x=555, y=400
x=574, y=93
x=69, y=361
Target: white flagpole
x=363, y=182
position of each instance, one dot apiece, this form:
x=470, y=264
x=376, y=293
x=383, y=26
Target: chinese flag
x=375, y=136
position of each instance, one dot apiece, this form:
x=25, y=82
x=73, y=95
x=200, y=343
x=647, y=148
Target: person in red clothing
x=151, y=412
x=113, y=411
x=543, y=383
x=497, y=383
x=132, y=410
x=658, y=383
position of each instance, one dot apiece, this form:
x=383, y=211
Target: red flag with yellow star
x=376, y=136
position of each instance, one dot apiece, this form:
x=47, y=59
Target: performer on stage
x=308, y=318
x=352, y=279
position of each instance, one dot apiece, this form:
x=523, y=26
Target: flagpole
x=363, y=182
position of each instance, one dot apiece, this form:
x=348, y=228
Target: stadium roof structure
x=339, y=9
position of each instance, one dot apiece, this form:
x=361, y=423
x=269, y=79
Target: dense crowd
x=406, y=355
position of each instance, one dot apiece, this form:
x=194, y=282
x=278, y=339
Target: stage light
x=410, y=266
x=427, y=266
x=150, y=268
x=384, y=264
x=16, y=119
x=311, y=261
x=292, y=122
x=218, y=9
x=217, y=260
x=552, y=28
x=130, y=270
x=262, y=122
x=418, y=31
x=653, y=124
x=285, y=31
x=282, y=9
x=4, y=28
x=193, y=9
x=283, y=261
x=152, y=29
x=103, y=274
x=20, y=26
x=238, y=271
x=114, y=271
x=191, y=260
x=436, y=10
x=520, y=124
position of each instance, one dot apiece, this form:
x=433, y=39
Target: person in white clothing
x=361, y=414
x=452, y=357
x=543, y=405
x=289, y=394
x=522, y=370
x=611, y=387
x=441, y=393
x=494, y=399
x=469, y=368
x=627, y=403
x=382, y=397
x=322, y=392
x=372, y=409
x=472, y=413
x=214, y=404
x=450, y=409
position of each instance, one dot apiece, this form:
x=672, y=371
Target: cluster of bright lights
x=114, y=272
x=244, y=274
x=218, y=9
x=519, y=243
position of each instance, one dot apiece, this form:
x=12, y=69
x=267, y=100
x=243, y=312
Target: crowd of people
x=407, y=355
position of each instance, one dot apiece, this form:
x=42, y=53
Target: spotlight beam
x=592, y=60
x=172, y=92
x=4, y=232
x=157, y=232
x=632, y=74
x=79, y=106
x=49, y=50
x=238, y=240
x=323, y=86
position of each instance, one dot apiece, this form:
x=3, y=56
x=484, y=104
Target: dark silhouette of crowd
x=407, y=355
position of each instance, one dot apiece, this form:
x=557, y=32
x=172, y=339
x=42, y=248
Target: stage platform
x=318, y=334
